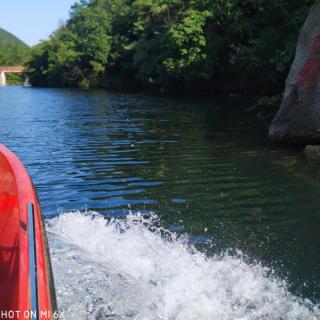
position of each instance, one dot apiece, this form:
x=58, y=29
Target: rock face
x=298, y=119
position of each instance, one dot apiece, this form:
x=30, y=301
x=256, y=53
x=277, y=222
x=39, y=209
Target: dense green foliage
x=12, y=50
x=14, y=79
x=241, y=46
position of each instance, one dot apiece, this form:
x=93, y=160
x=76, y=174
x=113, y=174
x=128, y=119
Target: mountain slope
x=13, y=51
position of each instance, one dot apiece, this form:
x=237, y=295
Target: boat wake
x=132, y=269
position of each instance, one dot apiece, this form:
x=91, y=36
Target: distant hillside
x=13, y=51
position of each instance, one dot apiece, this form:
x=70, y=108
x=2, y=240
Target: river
x=161, y=208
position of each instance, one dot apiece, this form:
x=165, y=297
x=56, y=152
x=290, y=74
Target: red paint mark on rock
x=309, y=74
x=315, y=47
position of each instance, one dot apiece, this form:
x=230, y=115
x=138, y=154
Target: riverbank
x=172, y=47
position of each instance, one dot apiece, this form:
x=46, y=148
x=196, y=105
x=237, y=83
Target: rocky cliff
x=298, y=119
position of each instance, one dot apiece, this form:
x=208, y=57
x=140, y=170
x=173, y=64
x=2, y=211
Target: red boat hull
x=17, y=193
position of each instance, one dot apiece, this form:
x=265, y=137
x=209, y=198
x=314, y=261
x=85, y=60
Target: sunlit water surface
x=168, y=209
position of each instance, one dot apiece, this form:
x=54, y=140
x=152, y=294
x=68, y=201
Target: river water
x=168, y=209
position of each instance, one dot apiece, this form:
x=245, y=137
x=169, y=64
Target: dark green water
x=205, y=168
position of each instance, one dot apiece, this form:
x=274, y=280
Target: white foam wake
x=126, y=269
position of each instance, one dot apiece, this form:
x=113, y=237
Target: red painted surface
x=16, y=191
x=309, y=74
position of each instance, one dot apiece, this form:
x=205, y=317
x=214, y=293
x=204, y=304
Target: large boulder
x=298, y=119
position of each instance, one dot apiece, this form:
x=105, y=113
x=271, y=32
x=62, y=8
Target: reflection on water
x=205, y=168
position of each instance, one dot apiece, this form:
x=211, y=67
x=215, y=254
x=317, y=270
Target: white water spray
x=125, y=269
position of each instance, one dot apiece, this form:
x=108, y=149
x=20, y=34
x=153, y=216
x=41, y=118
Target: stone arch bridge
x=8, y=69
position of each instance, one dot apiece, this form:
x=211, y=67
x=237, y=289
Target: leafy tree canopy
x=242, y=46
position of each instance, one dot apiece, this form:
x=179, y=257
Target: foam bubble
x=130, y=269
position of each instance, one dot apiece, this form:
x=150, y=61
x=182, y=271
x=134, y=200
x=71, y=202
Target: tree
x=242, y=46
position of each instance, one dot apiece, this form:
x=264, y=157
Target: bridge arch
x=8, y=69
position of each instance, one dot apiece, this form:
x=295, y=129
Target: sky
x=33, y=20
